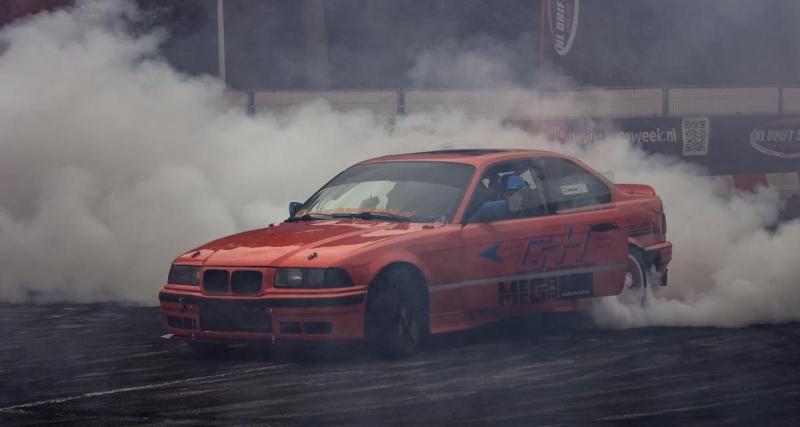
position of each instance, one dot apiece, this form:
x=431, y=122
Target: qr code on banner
x=695, y=136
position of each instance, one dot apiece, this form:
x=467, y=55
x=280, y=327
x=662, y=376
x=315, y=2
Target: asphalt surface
x=105, y=364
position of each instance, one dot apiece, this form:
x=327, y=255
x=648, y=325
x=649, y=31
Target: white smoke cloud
x=483, y=64
x=728, y=268
x=112, y=163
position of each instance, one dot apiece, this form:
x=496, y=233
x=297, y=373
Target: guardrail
x=528, y=104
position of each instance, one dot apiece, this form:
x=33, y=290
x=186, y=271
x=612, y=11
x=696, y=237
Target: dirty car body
x=398, y=247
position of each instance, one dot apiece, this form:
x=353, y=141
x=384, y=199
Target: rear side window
x=569, y=186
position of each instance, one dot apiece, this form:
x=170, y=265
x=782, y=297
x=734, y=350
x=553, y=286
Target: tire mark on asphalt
x=22, y=407
x=635, y=415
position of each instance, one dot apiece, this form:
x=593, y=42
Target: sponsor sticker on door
x=572, y=189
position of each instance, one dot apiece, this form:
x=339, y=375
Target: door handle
x=604, y=226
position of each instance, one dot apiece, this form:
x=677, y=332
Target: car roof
x=472, y=156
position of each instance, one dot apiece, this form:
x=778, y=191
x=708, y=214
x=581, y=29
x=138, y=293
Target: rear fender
x=637, y=189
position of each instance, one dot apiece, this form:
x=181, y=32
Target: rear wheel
x=635, y=291
x=396, y=317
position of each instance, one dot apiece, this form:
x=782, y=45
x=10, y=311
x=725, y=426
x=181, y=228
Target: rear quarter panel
x=643, y=218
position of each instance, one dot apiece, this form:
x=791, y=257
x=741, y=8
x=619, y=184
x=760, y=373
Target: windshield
x=411, y=191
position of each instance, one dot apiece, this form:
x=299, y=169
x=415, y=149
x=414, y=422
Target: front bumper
x=229, y=319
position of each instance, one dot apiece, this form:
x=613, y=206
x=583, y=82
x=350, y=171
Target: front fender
x=365, y=273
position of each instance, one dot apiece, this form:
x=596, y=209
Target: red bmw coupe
x=399, y=247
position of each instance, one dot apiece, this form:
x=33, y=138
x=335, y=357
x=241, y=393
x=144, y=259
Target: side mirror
x=493, y=211
x=293, y=208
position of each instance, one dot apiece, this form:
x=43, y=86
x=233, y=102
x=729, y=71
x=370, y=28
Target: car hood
x=299, y=244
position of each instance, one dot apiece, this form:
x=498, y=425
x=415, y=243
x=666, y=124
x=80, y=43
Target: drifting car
x=399, y=247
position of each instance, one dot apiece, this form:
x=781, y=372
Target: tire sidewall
x=638, y=272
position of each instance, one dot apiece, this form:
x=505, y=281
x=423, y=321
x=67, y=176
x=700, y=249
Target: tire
x=634, y=292
x=207, y=349
x=396, y=320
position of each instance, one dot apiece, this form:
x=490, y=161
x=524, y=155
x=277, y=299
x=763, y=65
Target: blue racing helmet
x=513, y=182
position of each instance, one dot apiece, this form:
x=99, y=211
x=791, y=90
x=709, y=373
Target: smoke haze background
x=112, y=163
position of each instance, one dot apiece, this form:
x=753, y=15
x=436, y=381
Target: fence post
x=401, y=102
x=251, y=103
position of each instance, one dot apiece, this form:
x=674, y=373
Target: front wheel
x=396, y=313
x=634, y=293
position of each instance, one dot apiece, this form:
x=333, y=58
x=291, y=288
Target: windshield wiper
x=310, y=217
x=375, y=215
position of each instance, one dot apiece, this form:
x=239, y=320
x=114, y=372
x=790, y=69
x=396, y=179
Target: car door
x=593, y=245
x=502, y=265
x=551, y=254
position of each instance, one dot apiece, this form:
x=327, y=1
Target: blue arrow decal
x=491, y=253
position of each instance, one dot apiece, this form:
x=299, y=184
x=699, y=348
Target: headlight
x=312, y=278
x=184, y=275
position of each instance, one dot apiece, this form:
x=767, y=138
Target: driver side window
x=512, y=184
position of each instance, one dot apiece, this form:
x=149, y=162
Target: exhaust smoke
x=112, y=163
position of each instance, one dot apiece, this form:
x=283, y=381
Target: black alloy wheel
x=396, y=317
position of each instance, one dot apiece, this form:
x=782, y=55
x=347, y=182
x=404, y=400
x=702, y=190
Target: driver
x=513, y=187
